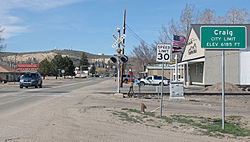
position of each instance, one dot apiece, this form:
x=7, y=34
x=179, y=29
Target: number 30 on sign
x=163, y=52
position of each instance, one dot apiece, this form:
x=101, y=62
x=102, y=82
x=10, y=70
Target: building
x=9, y=73
x=204, y=66
x=168, y=71
x=27, y=67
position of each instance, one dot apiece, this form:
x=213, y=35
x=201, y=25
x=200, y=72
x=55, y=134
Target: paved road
x=12, y=98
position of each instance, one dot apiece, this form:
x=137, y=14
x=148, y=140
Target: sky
x=88, y=25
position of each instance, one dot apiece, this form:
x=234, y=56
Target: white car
x=154, y=80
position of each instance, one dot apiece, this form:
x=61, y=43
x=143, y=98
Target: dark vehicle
x=126, y=78
x=31, y=79
x=3, y=80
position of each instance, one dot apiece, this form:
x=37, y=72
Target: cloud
x=10, y=31
x=13, y=24
x=40, y=4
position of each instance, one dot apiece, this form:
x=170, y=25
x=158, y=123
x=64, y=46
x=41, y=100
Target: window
x=149, y=78
x=202, y=66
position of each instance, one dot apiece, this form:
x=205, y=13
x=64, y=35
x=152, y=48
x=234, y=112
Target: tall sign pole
x=163, y=55
x=122, y=65
x=176, y=68
x=221, y=38
x=223, y=89
x=118, y=66
x=119, y=57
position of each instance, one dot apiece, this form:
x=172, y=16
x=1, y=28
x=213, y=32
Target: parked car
x=3, y=80
x=126, y=78
x=154, y=80
x=31, y=79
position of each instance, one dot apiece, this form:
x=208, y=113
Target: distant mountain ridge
x=9, y=58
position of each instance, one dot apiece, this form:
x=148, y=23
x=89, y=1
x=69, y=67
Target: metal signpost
x=223, y=37
x=163, y=55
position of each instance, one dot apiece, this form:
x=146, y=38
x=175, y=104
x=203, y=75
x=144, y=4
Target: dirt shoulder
x=86, y=114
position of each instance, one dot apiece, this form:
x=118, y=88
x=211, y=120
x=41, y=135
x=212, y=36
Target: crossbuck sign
x=118, y=41
x=163, y=52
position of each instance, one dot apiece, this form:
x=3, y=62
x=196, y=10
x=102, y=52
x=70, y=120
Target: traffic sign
x=223, y=37
x=63, y=71
x=119, y=41
x=163, y=52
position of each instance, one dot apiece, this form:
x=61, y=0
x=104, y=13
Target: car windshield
x=29, y=75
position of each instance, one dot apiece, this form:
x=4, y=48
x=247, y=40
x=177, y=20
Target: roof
x=196, y=28
x=6, y=69
x=27, y=65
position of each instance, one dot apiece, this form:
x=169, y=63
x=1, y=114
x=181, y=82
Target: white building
x=204, y=66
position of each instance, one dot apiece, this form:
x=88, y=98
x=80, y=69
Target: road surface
x=82, y=110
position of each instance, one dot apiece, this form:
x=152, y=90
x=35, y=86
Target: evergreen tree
x=68, y=66
x=45, y=67
x=92, y=69
x=84, y=62
x=58, y=64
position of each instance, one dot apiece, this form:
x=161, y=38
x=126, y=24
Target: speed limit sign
x=163, y=52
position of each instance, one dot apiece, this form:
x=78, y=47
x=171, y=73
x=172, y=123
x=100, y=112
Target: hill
x=8, y=58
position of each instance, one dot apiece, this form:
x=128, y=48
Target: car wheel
x=5, y=81
x=21, y=86
x=36, y=86
x=142, y=84
x=160, y=84
x=41, y=86
x=26, y=87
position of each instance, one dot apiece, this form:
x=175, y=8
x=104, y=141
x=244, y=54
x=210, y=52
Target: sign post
x=223, y=37
x=163, y=55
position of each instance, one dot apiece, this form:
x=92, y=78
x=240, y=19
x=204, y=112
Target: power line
x=136, y=35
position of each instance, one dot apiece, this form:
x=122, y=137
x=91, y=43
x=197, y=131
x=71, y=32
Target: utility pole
x=122, y=64
x=15, y=69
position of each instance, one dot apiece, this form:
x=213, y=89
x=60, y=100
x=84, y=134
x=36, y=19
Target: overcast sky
x=88, y=25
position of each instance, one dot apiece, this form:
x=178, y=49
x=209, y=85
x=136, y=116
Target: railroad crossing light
x=113, y=59
x=124, y=58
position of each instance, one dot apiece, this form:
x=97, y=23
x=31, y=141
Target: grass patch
x=167, y=119
x=139, y=112
x=213, y=126
x=125, y=117
x=208, y=126
x=175, y=127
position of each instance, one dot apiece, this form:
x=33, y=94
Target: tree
x=84, y=62
x=189, y=16
x=208, y=17
x=92, y=69
x=237, y=16
x=221, y=20
x=1, y=39
x=144, y=55
x=45, y=67
x=100, y=71
x=57, y=64
x=68, y=66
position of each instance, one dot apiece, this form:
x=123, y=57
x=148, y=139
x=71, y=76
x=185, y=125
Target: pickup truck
x=154, y=80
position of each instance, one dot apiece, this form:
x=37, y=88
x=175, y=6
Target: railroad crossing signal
x=119, y=41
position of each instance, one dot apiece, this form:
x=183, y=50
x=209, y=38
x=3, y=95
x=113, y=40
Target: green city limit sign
x=223, y=37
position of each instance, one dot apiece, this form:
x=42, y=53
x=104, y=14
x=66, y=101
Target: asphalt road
x=12, y=98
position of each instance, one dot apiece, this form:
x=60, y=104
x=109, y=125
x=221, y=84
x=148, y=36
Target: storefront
x=203, y=66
